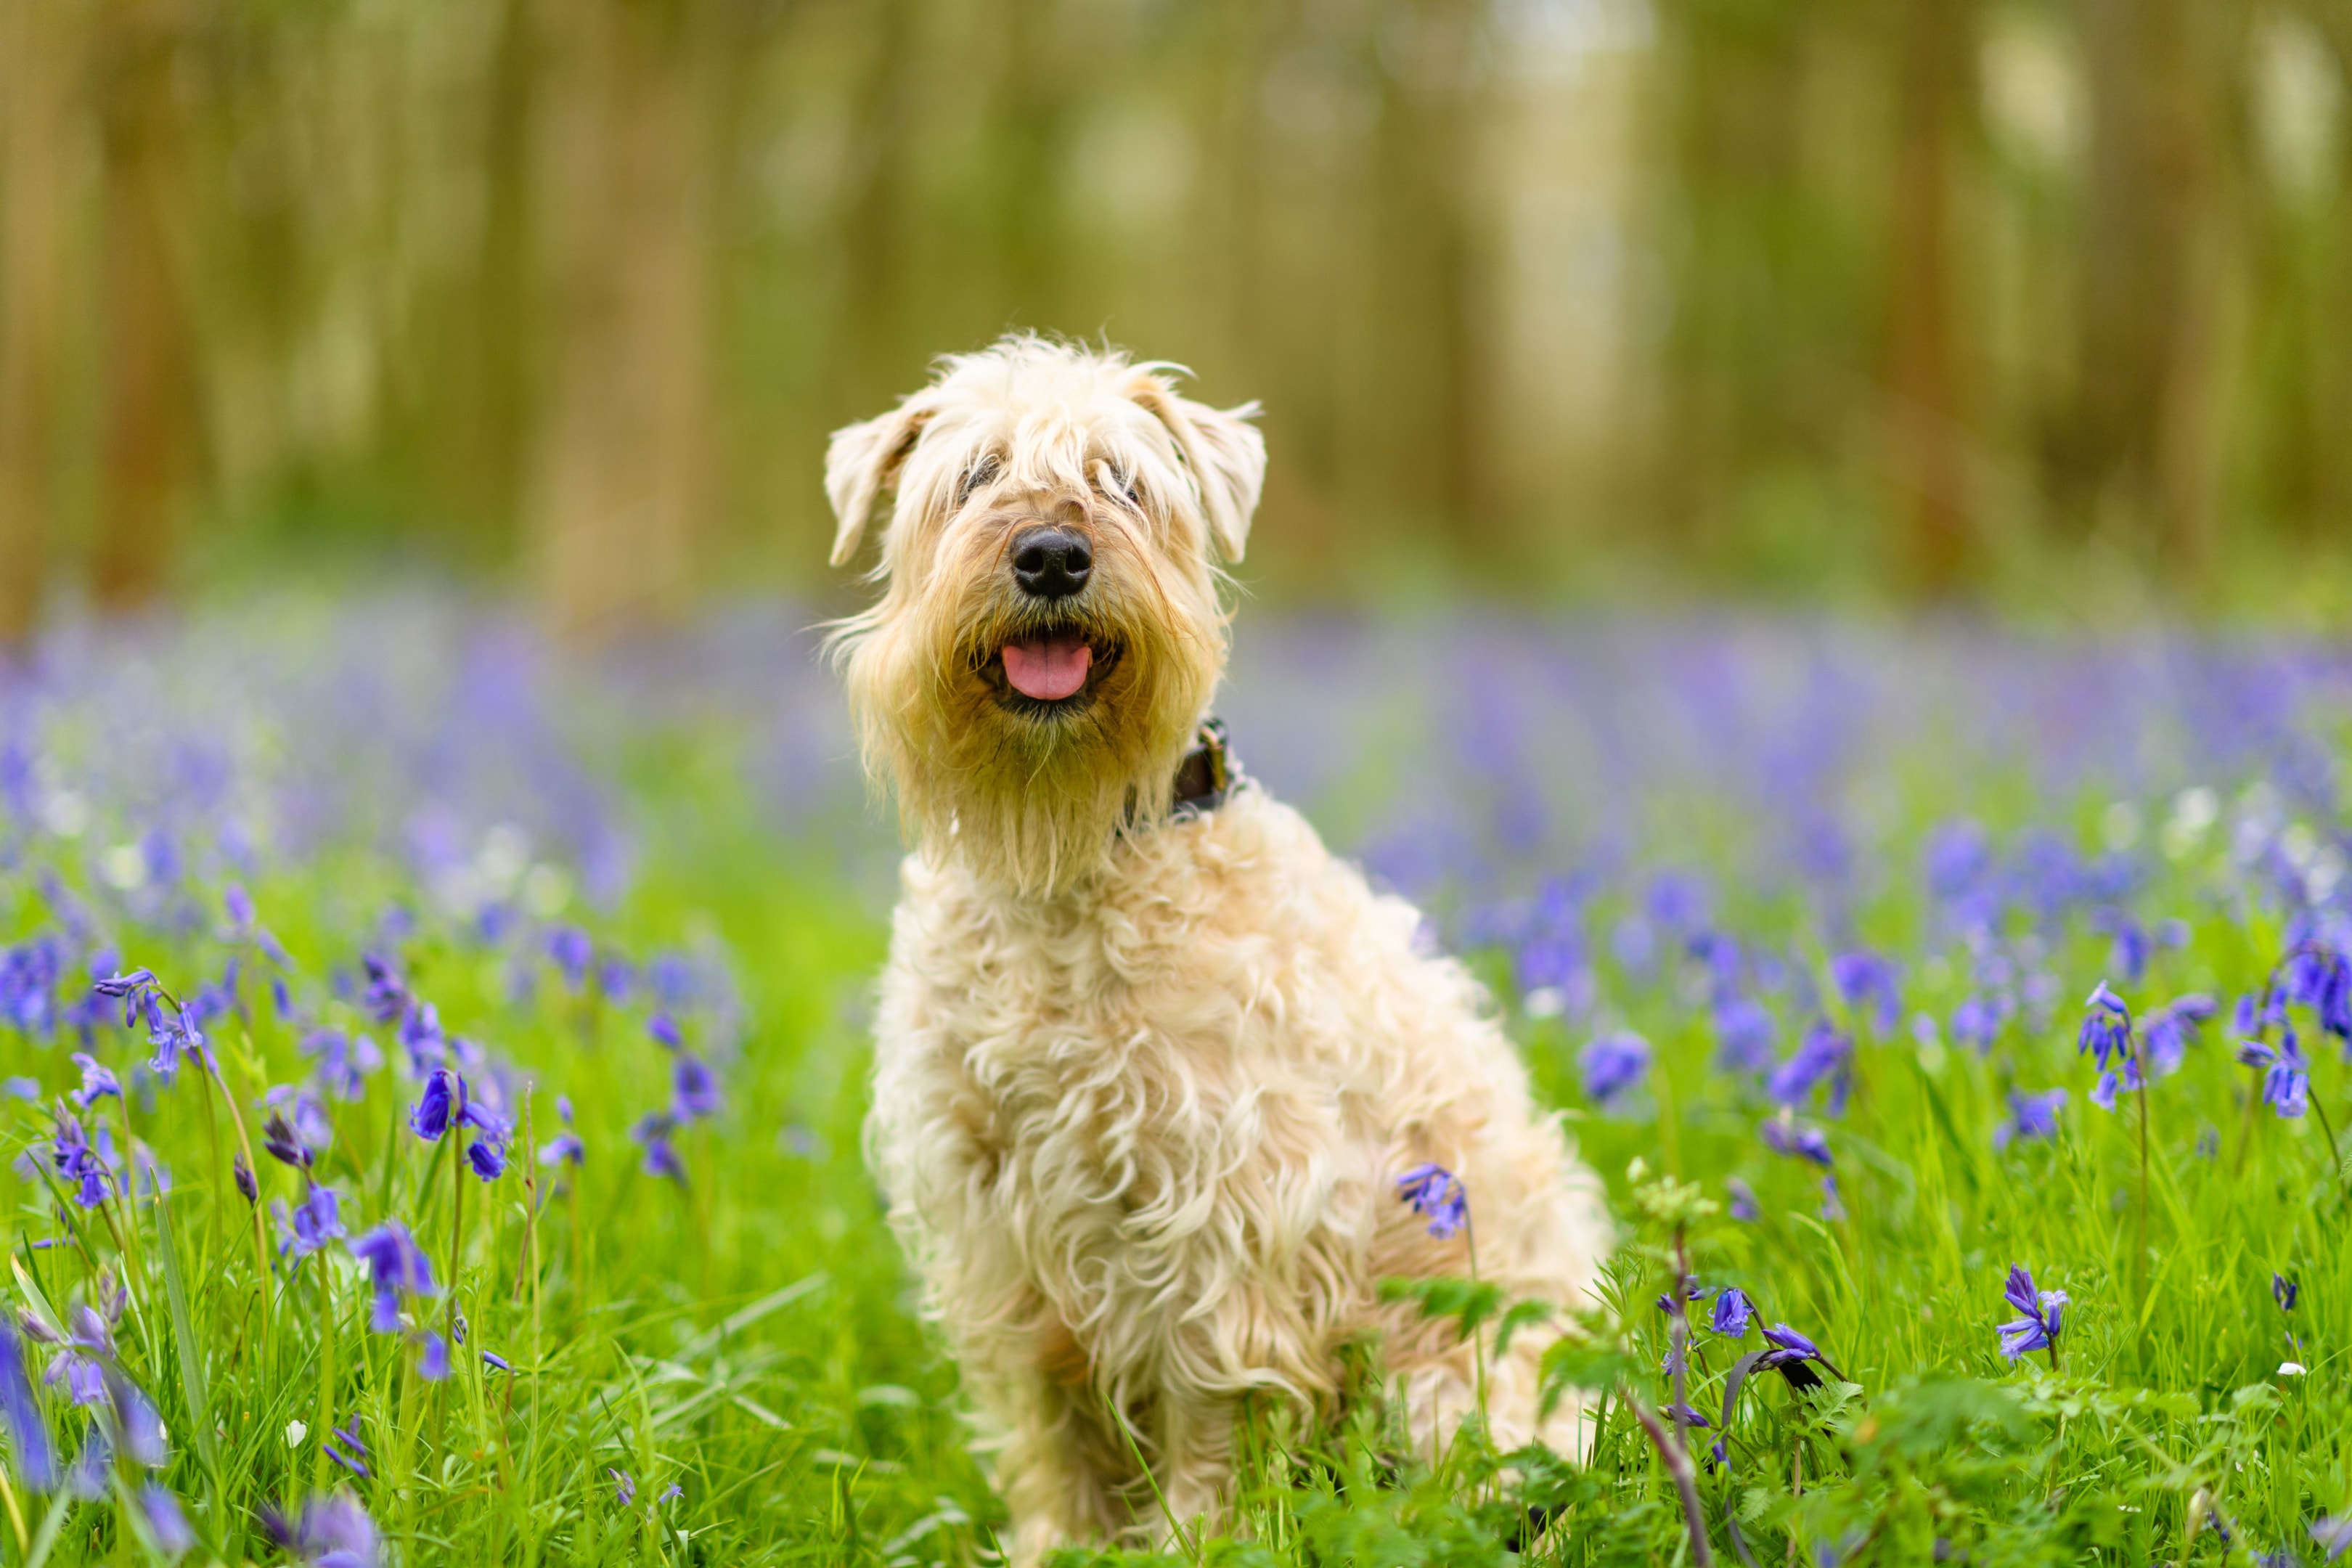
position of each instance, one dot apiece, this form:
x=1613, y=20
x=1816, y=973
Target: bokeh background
x=2043, y=304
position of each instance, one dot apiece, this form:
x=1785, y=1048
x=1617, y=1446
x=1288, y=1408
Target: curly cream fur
x=1142, y=1088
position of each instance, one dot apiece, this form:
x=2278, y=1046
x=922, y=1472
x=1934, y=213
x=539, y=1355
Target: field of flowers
x=433, y=1072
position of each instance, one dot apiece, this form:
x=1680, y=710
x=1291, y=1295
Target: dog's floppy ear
x=860, y=462
x=1222, y=448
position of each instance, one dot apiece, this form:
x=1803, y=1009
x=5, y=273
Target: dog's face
x=1052, y=625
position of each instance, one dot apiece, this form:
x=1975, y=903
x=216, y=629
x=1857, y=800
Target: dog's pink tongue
x=1047, y=668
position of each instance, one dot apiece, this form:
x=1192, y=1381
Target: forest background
x=2039, y=303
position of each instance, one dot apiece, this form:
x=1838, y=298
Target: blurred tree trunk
x=871, y=364
x=2154, y=271
x=40, y=102
x=1424, y=417
x=493, y=438
x=618, y=486
x=147, y=371
x=1933, y=81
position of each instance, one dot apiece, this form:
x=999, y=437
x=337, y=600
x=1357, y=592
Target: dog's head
x=1052, y=623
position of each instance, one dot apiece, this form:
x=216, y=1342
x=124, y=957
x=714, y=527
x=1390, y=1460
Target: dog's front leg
x=1065, y=1479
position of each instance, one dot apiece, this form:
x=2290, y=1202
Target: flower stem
x=2139, y=1261
x=218, y=1076
x=1678, y=1467
x=327, y=1346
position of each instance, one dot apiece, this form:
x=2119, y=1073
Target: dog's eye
x=1111, y=482
x=979, y=474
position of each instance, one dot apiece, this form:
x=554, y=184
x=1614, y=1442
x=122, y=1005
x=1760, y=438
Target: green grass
x=747, y=1334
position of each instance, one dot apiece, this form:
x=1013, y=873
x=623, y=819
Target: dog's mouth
x=1054, y=670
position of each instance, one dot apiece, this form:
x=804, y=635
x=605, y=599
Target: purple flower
x=2171, y=1029
x=443, y=1100
x=353, y=1454
x=1823, y=1055
x=331, y=1532
x=242, y=1174
x=316, y=1221
x=396, y=1267
x=386, y=999
x=664, y=1030
x=2335, y=1534
x=1613, y=1064
x=20, y=1413
x=2103, y=1094
x=2284, y=1291
x=2287, y=1081
x=653, y=1131
x=1732, y=1312
x=85, y=1166
x=1783, y=1136
x=2107, y=1027
x=1866, y=978
x=165, y=1522
x=97, y=1082
x=695, y=1090
x=496, y=1363
x=624, y=1487
x=2042, y=1310
x=1743, y=1206
x=1744, y=1034
x=570, y=948
x=120, y=985
x=487, y=1156
x=345, y=1061
x=1977, y=1022
x=2031, y=1117
x=1438, y=1193
x=1684, y=1415
x=1788, y=1356
x=433, y=1357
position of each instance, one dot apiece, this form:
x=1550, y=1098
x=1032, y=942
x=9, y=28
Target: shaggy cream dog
x=1149, y=1060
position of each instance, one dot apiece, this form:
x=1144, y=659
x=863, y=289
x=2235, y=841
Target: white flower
x=2290, y=1369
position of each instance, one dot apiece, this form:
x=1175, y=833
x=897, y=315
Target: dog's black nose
x=1051, y=562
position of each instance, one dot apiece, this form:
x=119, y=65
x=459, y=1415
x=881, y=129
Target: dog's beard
x=1034, y=796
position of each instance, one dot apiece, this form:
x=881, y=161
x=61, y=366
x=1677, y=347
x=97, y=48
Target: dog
x=1149, y=1060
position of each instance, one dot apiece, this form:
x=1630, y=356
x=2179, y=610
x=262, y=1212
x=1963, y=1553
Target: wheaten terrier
x=1149, y=1060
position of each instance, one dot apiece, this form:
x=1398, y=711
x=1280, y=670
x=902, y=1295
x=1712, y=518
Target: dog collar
x=1207, y=774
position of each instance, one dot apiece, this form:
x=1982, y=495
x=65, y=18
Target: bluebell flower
x=1613, y=1064
x=1977, y=1021
x=1865, y=979
x=694, y=1091
x=1438, y=1193
x=279, y=1141
x=2031, y=1117
x=136, y=1420
x=128, y=984
x=1732, y=1311
x=2042, y=1310
x=2103, y=1094
x=330, y=1532
x=1684, y=1415
x=624, y=1487
x=85, y=1167
x=442, y=1102
x=1789, y=1356
x=1783, y=1136
x=671, y=1493
x=98, y=1081
x=1743, y=1205
x=665, y=1032
x=496, y=1363
x=2333, y=1534
x=2284, y=1291
x=242, y=1174
x=652, y=1133
x=397, y=1269
x=166, y=1524
x=1745, y=1033
x=1822, y=1056
x=2171, y=1029
x=386, y=999
x=2287, y=1077
x=316, y=1221
x=2107, y=1027
x=343, y=1062
x=573, y=951
x=433, y=1357
x=20, y=1411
